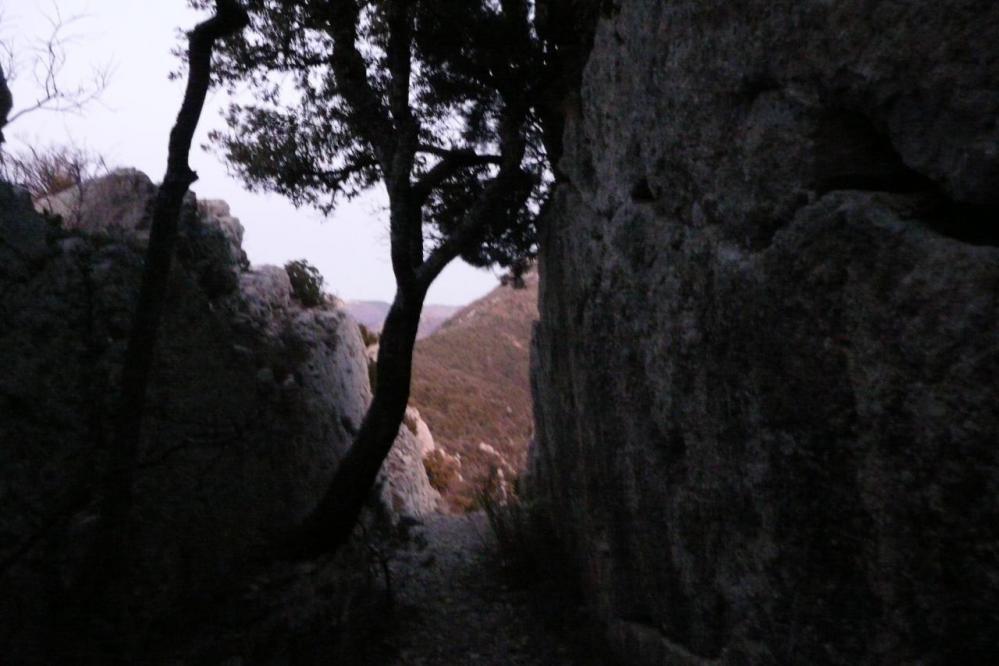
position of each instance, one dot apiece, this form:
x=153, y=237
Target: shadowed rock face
x=765, y=370
x=253, y=401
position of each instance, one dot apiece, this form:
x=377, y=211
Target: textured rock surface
x=404, y=483
x=104, y=204
x=765, y=371
x=253, y=400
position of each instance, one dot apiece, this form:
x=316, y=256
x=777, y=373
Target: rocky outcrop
x=405, y=486
x=765, y=372
x=252, y=402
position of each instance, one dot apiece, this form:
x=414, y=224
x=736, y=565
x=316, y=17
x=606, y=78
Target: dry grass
x=531, y=556
x=442, y=470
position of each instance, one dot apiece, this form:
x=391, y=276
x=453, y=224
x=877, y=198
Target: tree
x=104, y=576
x=433, y=101
x=46, y=62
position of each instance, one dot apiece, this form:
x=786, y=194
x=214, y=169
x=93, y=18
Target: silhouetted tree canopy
x=319, y=135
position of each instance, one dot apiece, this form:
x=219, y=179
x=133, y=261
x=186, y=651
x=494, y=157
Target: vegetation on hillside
x=471, y=384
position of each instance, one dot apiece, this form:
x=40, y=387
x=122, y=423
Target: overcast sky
x=130, y=126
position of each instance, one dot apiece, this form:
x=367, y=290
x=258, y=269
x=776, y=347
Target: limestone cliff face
x=765, y=372
x=253, y=400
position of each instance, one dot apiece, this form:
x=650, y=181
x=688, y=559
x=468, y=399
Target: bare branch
x=47, y=68
x=489, y=204
x=450, y=163
x=44, y=171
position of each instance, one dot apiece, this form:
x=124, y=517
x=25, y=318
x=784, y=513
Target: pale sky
x=131, y=124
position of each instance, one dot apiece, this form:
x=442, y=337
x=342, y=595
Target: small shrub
x=306, y=282
x=47, y=171
x=368, y=336
x=531, y=556
x=525, y=539
x=442, y=469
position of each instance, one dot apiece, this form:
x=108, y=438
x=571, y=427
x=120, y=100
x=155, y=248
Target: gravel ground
x=454, y=608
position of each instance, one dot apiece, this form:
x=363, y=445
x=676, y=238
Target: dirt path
x=454, y=609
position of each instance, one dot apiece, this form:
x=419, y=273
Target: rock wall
x=252, y=402
x=765, y=371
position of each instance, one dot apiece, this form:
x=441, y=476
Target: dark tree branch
x=340, y=175
x=50, y=59
x=405, y=228
x=6, y=102
x=400, y=66
x=330, y=524
x=394, y=141
x=451, y=162
x=367, y=114
x=489, y=204
x=457, y=153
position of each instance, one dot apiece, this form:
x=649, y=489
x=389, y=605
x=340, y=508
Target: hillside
x=372, y=315
x=471, y=384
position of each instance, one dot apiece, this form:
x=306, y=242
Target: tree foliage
x=306, y=282
x=308, y=134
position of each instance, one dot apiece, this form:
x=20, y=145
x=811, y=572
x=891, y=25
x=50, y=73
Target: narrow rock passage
x=453, y=607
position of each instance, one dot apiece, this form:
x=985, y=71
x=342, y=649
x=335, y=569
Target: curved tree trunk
x=331, y=523
x=101, y=586
x=117, y=497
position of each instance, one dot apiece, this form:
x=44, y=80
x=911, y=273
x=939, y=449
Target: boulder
x=121, y=201
x=405, y=485
x=421, y=431
x=764, y=375
x=252, y=402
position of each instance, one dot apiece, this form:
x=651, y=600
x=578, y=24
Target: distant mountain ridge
x=372, y=315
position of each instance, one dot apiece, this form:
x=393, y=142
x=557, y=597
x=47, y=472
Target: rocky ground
x=453, y=606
